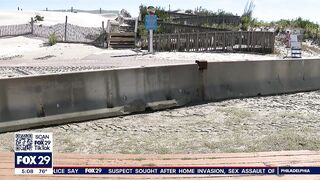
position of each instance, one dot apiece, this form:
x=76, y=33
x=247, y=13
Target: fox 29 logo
x=33, y=160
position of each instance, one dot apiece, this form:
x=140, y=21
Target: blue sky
x=265, y=9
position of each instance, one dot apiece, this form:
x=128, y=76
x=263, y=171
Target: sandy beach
x=284, y=122
x=33, y=56
x=32, y=53
x=52, y=18
x=275, y=123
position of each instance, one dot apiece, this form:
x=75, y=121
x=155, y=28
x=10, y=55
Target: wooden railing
x=262, y=42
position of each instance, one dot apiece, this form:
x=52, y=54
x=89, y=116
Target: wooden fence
x=64, y=32
x=208, y=20
x=180, y=28
x=15, y=30
x=262, y=42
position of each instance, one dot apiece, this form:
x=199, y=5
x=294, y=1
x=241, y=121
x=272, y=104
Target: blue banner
x=299, y=170
x=189, y=170
x=167, y=170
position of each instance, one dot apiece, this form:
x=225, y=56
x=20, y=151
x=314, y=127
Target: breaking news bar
x=188, y=170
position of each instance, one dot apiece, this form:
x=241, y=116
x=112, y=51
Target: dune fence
x=72, y=33
x=64, y=32
x=245, y=41
x=15, y=30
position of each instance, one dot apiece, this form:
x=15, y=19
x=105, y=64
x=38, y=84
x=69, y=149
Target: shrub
x=38, y=18
x=52, y=39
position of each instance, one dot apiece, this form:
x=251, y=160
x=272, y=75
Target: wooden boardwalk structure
x=262, y=42
x=283, y=158
x=124, y=40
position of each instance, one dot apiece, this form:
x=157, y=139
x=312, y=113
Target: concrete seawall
x=54, y=99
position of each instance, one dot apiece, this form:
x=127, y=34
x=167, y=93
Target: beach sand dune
x=52, y=18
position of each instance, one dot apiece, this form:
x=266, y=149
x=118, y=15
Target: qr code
x=24, y=142
x=42, y=142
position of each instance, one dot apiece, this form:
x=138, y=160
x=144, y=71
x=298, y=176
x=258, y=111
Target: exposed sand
x=52, y=18
x=287, y=122
x=23, y=50
x=18, y=45
x=29, y=48
x=275, y=123
x=31, y=56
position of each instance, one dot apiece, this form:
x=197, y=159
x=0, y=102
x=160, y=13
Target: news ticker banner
x=188, y=170
x=33, y=155
x=179, y=171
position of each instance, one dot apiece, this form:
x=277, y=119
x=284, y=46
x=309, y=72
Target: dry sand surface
x=284, y=122
x=28, y=55
x=52, y=18
x=27, y=49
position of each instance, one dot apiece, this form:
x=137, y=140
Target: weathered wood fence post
x=264, y=37
x=272, y=42
x=215, y=41
x=224, y=41
x=32, y=22
x=197, y=42
x=188, y=41
x=178, y=43
x=108, y=33
x=206, y=41
x=240, y=41
x=65, y=29
x=248, y=41
x=136, y=31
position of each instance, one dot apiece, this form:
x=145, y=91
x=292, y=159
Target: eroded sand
x=52, y=18
x=285, y=122
x=28, y=55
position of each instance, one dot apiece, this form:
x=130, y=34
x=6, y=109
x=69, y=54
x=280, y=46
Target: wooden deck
x=288, y=158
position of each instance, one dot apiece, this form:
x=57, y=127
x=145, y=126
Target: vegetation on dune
x=52, y=39
x=205, y=12
x=246, y=19
x=163, y=16
x=311, y=29
x=38, y=18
